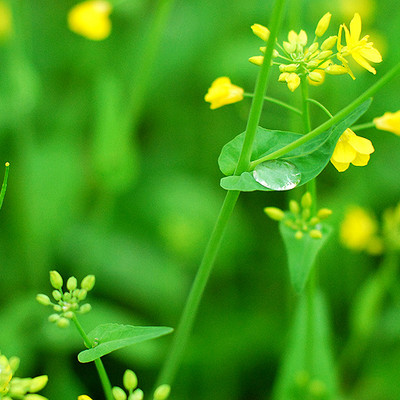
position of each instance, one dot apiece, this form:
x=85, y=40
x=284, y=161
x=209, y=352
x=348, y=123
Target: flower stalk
x=174, y=358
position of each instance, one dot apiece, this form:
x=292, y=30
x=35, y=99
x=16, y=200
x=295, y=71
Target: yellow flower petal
x=223, y=92
x=344, y=152
x=389, y=122
x=364, y=63
x=371, y=54
x=341, y=167
x=361, y=144
x=361, y=160
x=355, y=27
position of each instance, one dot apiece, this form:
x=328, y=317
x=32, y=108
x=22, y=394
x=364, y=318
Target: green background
x=93, y=192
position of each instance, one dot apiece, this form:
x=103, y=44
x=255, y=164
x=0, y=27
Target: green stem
x=175, y=355
x=98, y=363
x=278, y=102
x=360, y=127
x=4, y=185
x=327, y=124
x=321, y=106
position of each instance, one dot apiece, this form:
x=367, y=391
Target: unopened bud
x=283, y=76
x=13, y=363
x=289, y=47
x=81, y=295
x=38, y=383
x=118, y=393
x=329, y=43
x=162, y=392
x=306, y=200
x=274, y=213
x=324, y=213
x=43, y=299
x=323, y=25
x=85, y=308
x=313, y=48
x=315, y=234
x=56, y=295
x=275, y=53
x=69, y=314
x=324, y=54
x=261, y=31
x=130, y=380
x=313, y=64
x=137, y=395
x=294, y=206
x=288, y=68
x=56, y=280
x=315, y=76
x=34, y=396
x=293, y=81
x=314, y=221
x=57, y=308
x=88, y=282
x=72, y=283
x=62, y=322
x=299, y=235
x=54, y=318
x=335, y=69
x=257, y=60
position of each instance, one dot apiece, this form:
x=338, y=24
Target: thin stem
x=327, y=124
x=98, y=363
x=278, y=102
x=4, y=185
x=321, y=106
x=360, y=127
x=175, y=356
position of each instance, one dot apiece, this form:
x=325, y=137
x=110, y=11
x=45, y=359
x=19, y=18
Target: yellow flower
x=362, y=51
x=222, y=92
x=389, y=122
x=5, y=20
x=84, y=397
x=358, y=231
x=351, y=148
x=91, y=19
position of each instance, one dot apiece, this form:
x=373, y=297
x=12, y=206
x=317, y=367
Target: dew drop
x=277, y=175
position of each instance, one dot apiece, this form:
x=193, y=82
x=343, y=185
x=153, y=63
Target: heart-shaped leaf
x=309, y=158
x=110, y=337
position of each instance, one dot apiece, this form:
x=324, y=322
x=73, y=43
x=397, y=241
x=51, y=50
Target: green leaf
x=308, y=364
x=302, y=253
x=111, y=337
x=310, y=158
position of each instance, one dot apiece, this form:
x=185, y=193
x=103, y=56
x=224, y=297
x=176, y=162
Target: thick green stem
x=277, y=102
x=105, y=382
x=327, y=124
x=175, y=356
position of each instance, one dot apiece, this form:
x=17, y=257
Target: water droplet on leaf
x=277, y=175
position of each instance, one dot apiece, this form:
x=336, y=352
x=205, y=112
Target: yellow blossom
x=358, y=231
x=91, y=19
x=323, y=24
x=5, y=20
x=84, y=397
x=261, y=31
x=353, y=149
x=389, y=122
x=361, y=50
x=223, y=92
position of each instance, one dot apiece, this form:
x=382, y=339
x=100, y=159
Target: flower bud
x=314, y=221
x=62, y=322
x=118, y=393
x=56, y=280
x=324, y=213
x=289, y=47
x=324, y=54
x=313, y=64
x=283, y=76
x=306, y=200
x=274, y=213
x=69, y=314
x=257, y=60
x=137, y=395
x=335, y=69
x=313, y=48
x=293, y=81
x=162, y=392
x=34, y=396
x=72, y=283
x=275, y=53
x=315, y=76
x=299, y=235
x=43, y=299
x=288, y=68
x=261, y=31
x=53, y=318
x=294, y=206
x=85, y=308
x=84, y=397
x=315, y=234
x=38, y=383
x=323, y=25
x=57, y=295
x=88, y=282
x=14, y=363
x=57, y=308
x=81, y=295
x=130, y=380
x=327, y=44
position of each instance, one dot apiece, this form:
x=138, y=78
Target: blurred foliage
x=92, y=191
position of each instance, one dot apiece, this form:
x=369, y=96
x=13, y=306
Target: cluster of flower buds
x=130, y=383
x=67, y=303
x=300, y=218
x=298, y=61
x=12, y=387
